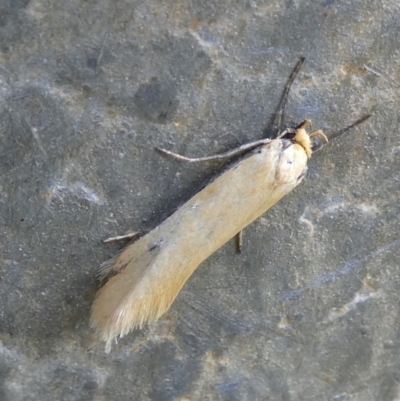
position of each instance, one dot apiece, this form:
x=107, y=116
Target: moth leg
x=239, y=241
x=318, y=133
x=221, y=156
x=121, y=237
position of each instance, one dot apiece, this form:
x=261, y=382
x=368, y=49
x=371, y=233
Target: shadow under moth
x=143, y=280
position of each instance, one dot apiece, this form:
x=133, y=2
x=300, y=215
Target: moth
x=145, y=278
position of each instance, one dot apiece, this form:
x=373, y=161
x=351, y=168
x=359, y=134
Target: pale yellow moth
x=145, y=278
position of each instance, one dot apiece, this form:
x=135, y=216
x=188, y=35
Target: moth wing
x=153, y=270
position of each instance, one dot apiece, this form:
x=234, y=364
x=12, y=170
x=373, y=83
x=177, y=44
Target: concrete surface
x=310, y=310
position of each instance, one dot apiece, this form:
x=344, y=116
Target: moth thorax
x=303, y=139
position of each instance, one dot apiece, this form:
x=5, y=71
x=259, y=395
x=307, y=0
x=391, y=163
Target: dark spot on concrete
x=92, y=63
x=156, y=102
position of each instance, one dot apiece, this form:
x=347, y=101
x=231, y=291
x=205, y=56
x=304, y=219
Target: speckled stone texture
x=311, y=309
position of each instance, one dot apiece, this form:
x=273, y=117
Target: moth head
x=303, y=138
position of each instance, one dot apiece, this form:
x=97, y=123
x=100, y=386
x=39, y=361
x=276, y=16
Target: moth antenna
x=279, y=115
x=349, y=127
x=342, y=131
x=304, y=124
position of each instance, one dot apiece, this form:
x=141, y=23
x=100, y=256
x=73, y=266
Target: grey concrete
x=311, y=309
